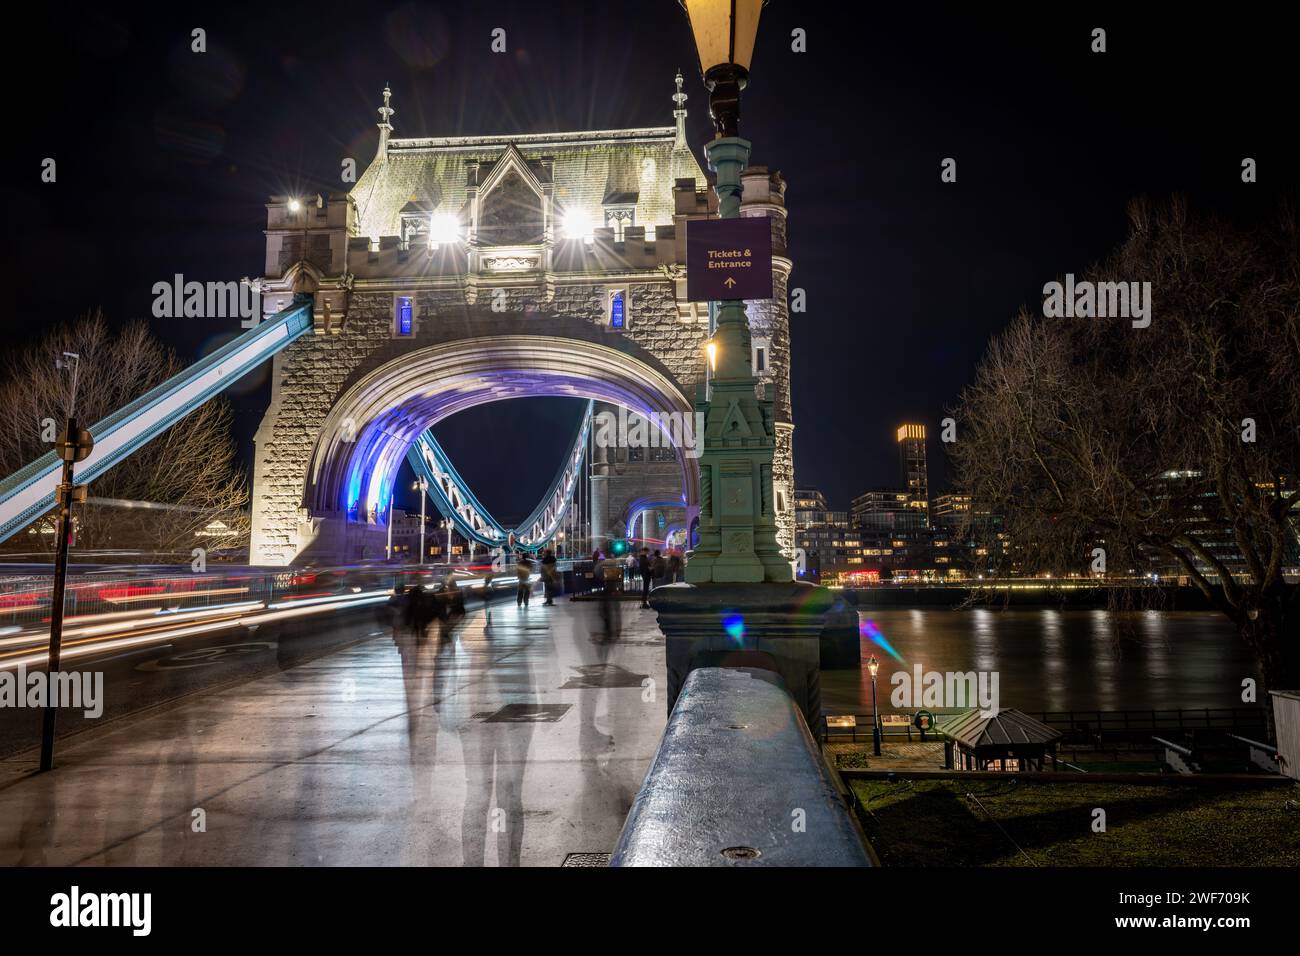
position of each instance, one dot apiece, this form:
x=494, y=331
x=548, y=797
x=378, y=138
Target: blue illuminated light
x=734, y=625
x=404, y=315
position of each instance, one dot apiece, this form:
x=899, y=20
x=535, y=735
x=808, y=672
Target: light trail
x=103, y=638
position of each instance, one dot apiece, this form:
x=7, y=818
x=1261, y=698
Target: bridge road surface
x=513, y=743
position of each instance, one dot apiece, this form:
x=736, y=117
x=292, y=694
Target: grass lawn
x=936, y=823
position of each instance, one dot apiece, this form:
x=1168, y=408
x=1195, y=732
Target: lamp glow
x=711, y=349
x=294, y=205
x=577, y=224
x=444, y=227
x=724, y=31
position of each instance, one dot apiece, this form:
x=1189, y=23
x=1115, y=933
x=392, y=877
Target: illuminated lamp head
x=577, y=224
x=444, y=227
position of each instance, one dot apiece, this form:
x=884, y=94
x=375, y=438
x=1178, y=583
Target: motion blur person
x=549, y=575
x=523, y=571
x=420, y=610
x=658, y=567
x=451, y=605
x=610, y=571
x=674, y=568
x=394, y=612
x=645, y=568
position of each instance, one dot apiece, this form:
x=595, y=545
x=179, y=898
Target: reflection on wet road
x=514, y=742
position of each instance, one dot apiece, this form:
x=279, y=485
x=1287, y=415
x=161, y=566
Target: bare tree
x=1180, y=440
x=180, y=491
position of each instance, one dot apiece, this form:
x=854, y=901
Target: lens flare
x=734, y=625
x=870, y=629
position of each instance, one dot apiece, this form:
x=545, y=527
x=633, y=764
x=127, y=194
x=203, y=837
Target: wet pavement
x=511, y=743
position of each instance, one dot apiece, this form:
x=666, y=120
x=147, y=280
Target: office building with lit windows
x=830, y=545
x=912, y=467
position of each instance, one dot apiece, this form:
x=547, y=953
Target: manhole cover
x=741, y=853
x=586, y=859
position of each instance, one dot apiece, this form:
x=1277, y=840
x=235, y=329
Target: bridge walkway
x=515, y=742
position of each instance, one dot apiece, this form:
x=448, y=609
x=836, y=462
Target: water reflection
x=1049, y=659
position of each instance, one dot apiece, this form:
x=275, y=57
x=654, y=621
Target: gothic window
x=619, y=218
x=511, y=214
x=404, y=315
x=761, y=355
x=618, y=310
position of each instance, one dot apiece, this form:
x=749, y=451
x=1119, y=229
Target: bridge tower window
x=618, y=309
x=404, y=315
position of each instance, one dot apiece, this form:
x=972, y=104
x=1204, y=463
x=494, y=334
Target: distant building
x=949, y=510
x=912, y=467
x=1213, y=531
x=829, y=544
x=887, y=510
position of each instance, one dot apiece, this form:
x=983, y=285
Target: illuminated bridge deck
x=514, y=743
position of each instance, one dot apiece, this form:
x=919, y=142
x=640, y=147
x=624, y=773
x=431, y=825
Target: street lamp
x=724, y=36
x=724, y=33
x=75, y=445
x=873, y=665
x=422, y=486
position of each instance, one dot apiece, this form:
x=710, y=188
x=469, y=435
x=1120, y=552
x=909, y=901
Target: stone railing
x=739, y=780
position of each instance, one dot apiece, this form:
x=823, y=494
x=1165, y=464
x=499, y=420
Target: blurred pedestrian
x=610, y=572
x=549, y=576
x=451, y=606
x=645, y=568
x=523, y=574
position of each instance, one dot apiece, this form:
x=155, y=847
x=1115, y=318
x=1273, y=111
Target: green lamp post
x=740, y=606
x=738, y=533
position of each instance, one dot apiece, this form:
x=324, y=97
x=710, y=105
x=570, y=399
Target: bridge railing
x=739, y=780
x=29, y=492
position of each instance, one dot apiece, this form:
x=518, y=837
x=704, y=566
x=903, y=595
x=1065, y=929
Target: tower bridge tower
x=468, y=269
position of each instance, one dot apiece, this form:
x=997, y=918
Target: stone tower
x=461, y=270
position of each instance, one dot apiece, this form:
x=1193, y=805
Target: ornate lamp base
x=776, y=625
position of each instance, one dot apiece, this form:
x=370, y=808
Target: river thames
x=1049, y=659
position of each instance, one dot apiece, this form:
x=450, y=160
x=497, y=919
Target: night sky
x=165, y=158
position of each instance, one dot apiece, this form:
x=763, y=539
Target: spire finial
x=680, y=113
x=385, y=125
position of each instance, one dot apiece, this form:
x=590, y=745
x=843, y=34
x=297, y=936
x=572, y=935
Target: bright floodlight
x=294, y=205
x=577, y=224
x=444, y=227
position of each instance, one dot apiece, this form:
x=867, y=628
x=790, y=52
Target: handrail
x=739, y=780
x=29, y=492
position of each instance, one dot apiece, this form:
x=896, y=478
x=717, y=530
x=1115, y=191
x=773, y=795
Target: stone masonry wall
x=311, y=374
